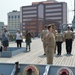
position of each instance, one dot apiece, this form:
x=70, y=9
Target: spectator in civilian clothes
x=19, y=38
x=5, y=38
x=28, y=40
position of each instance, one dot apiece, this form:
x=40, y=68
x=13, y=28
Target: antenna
x=73, y=22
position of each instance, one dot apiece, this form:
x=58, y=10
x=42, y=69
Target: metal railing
x=13, y=71
x=1, y=74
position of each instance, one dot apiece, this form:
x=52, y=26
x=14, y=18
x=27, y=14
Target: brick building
x=35, y=16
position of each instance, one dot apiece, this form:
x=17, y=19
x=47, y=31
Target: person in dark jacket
x=28, y=40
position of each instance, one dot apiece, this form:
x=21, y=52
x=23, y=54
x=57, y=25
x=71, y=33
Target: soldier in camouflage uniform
x=54, y=32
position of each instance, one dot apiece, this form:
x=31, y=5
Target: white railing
x=46, y=70
x=13, y=71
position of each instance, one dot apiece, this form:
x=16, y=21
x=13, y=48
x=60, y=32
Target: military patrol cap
x=49, y=26
x=53, y=24
x=45, y=25
x=68, y=27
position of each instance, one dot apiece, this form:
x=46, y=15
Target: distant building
x=13, y=21
x=35, y=16
x=1, y=28
x=52, y=0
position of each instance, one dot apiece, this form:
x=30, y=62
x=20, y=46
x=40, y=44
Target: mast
x=74, y=7
x=73, y=22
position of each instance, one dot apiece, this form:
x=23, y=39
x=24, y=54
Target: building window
x=2, y=26
x=8, y=17
x=15, y=17
x=12, y=17
x=18, y=16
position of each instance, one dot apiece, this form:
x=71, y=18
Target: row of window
x=15, y=26
x=14, y=22
x=11, y=17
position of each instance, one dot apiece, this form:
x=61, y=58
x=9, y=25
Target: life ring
x=30, y=70
x=64, y=71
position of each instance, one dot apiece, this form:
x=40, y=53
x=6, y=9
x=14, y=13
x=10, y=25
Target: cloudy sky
x=9, y=5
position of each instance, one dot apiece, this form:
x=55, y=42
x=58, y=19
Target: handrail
x=1, y=74
x=13, y=71
x=46, y=70
x=16, y=69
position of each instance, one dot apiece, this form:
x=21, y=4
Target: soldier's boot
x=26, y=49
x=29, y=49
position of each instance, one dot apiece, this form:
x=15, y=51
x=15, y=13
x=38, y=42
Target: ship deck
x=35, y=56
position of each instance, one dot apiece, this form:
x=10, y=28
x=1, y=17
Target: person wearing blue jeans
x=28, y=40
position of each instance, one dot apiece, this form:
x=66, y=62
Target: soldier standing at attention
x=50, y=45
x=59, y=40
x=54, y=32
x=68, y=38
x=43, y=35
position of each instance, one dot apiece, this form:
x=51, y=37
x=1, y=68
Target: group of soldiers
x=52, y=40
